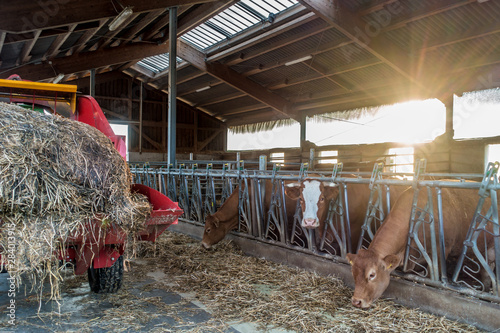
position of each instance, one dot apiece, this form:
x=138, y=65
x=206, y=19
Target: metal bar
x=140, y=117
x=442, y=249
x=92, y=82
x=172, y=85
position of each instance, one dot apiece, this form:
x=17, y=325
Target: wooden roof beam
x=24, y=56
x=274, y=30
x=243, y=109
x=87, y=36
x=362, y=34
x=284, y=42
x=312, y=51
x=470, y=34
x=236, y=80
x=150, y=17
x=58, y=42
x=219, y=99
x=324, y=73
x=88, y=60
x=198, y=16
x=22, y=16
x=2, y=39
x=110, y=35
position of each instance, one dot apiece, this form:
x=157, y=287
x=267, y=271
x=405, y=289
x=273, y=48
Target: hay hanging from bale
x=55, y=176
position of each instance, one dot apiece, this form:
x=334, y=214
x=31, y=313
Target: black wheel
x=107, y=279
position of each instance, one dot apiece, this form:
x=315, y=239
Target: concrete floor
x=140, y=306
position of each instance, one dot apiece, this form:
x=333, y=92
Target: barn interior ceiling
x=252, y=61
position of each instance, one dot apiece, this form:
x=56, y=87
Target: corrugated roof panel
x=279, y=74
x=373, y=73
x=311, y=87
x=276, y=56
x=216, y=90
x=196, y=83
x=234, y=104
x=342, y=56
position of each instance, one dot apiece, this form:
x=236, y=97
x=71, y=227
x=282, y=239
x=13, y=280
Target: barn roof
x=261, y=61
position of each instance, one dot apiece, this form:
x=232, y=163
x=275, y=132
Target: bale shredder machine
x=97, y=251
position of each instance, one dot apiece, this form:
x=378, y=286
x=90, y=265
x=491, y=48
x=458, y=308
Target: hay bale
x=55, y=175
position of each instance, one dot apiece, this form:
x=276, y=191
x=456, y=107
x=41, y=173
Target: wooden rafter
x=24, y=56
x=132, y=32
x=234, y=79
x=205, y=142
x=353, y=27
x=199, y=15
x=278, y=29
x=86, y=37
x=281, y=43
x=75, y=12
x=58, y=42
x=88, y=60
x=110, y=35
x=152, y=32
x=2, y=39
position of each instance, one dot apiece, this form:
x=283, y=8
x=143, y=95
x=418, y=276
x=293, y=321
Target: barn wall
x=205, y=136
x=464, y=156
x=119, y=97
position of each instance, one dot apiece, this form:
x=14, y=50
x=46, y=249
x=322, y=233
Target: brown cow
x=315, y=197
x=371, y=268
x=226, y=218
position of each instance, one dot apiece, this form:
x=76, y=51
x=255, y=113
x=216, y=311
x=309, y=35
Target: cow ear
x=292, y=191
x=330, y=190
x=351, y=257
x=391, y=262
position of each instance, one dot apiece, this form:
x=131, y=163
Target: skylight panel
x=157, y=63
x=234, y=20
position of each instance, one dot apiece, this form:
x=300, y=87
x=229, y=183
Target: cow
x=315, y=197
x=226, y=218
x=371, y=267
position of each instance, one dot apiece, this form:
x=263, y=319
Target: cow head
x=314, y=197
x=216, y=230
x=371, y=275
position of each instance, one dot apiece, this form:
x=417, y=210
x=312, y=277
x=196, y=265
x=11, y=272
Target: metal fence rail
x=200, y=192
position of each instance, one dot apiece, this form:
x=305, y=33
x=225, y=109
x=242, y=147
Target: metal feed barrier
x=201, y=191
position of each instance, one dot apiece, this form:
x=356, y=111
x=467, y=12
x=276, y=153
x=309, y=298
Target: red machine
x=95, y=250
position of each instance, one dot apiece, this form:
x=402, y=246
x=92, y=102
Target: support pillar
x=172, y=85
x=92, y=82
x=448, y=102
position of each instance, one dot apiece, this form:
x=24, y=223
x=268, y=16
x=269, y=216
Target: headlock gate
x=263, y=215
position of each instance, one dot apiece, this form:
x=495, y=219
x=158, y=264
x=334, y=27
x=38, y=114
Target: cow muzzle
x=206, y=246
x=310, y=223
x=360, y=303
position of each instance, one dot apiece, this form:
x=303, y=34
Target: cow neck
x=392, y=235
x=229, y=208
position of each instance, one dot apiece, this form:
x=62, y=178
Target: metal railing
x=200, y=192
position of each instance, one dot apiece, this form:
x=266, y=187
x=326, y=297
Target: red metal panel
x=89, y=112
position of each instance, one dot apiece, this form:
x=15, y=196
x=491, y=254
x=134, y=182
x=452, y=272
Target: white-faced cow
x=371, y=268
x=315, y=197
x=226, y=218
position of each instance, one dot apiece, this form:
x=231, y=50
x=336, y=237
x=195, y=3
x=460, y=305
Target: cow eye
x=322, y=199
x=207, y=231
x=371, y=276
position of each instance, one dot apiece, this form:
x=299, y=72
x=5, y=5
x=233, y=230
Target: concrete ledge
x=452, y=305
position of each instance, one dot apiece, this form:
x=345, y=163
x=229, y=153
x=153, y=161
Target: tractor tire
x=107, y=279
